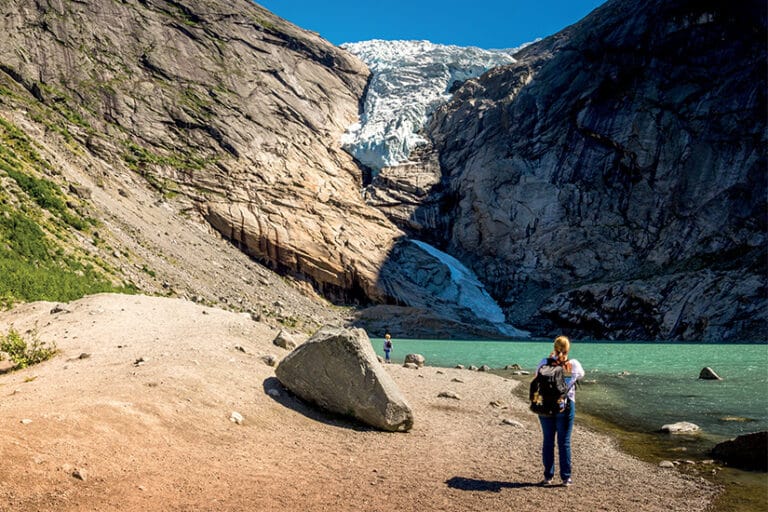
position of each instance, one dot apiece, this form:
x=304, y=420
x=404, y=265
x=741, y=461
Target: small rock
x=666, y=464
x=240, y=348
x=84, y=355
x=285, y=340
x=448, y=394
x=6, y=363
x=411, y=366
x=708, y=373
x=473, y=368
x=26, y=421
x=140, y=361
x=80, y=474
x=511, y=422
x=681, y=427
x=484, y=368
x=457, y=380
x=236, y=417
x=459, y=366
x=417, y=359
x=269, y=359
x=740, y=419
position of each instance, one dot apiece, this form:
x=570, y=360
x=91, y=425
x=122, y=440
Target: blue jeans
x=562, y=426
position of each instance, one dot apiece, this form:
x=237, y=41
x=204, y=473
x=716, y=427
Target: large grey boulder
x=746, y=452
x=337, y=370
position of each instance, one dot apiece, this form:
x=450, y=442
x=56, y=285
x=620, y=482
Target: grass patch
x=39, y=259
x=25, y=353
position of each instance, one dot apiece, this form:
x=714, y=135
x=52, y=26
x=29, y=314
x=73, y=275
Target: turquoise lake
x=638, y=386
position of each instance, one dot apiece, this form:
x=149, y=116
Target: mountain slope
x=165, y=114
x=175, y=117
x=612, y=182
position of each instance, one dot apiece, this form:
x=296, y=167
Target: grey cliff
x=612, y=182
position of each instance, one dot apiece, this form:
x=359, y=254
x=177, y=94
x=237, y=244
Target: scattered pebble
x=236, y=417
x=26, y=421
x=448, y=394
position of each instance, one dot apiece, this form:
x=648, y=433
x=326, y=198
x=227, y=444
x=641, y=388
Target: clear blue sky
x=484, y=23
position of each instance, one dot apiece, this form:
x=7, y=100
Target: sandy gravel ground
x=96, y=429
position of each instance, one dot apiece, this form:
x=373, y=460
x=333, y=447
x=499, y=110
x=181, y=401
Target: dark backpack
x=548, y=389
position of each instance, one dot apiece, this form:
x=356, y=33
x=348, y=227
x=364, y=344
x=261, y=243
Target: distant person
x=560, y=424
x=387, y=346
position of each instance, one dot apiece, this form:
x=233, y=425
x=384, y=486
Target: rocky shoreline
x=145, y=422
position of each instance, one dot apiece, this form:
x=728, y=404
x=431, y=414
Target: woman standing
x=560, y=425
x=387, y=346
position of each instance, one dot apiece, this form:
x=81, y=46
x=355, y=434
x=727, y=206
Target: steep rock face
x=612, y=183
x=221, y=105
x=187, y=117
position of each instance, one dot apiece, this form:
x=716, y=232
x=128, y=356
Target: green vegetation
x=140, y=160
x=38, y=258
x=26, y=354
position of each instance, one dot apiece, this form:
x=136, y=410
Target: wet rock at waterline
x=708, y=373
x=681, y=427
x=749, y=451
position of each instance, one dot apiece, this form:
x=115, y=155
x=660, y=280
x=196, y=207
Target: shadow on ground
x=472, y=484
x=274, y=389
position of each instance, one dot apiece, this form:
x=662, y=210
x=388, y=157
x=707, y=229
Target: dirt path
x=156, y=435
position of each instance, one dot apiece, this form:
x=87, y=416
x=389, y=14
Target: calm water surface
x=639, y=386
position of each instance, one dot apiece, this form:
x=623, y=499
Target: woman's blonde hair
x=562, y=346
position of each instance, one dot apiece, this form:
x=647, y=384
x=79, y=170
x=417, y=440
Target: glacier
x=467, y=291
x=410, y=79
